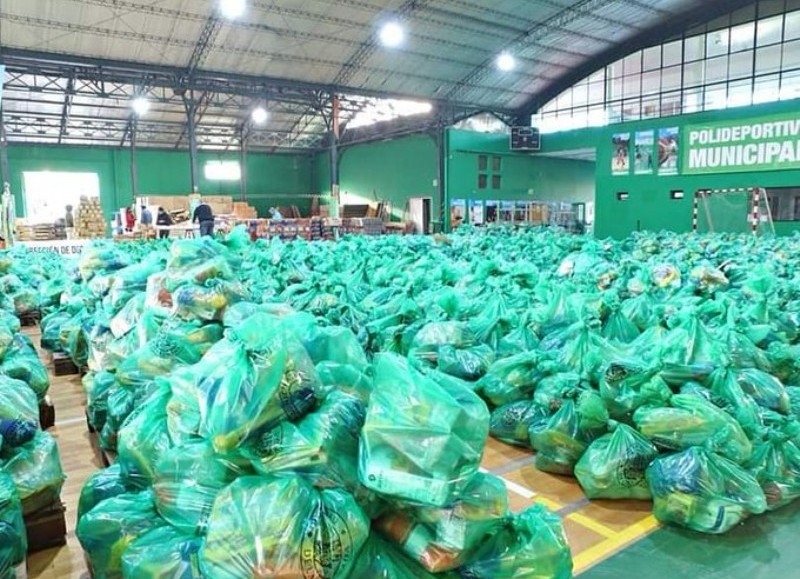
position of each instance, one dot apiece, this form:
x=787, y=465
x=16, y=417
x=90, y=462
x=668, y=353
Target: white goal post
x=759, y=210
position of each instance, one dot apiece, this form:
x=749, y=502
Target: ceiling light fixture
x=232, y=9
x=506, y=62
x=140, y=106
x=260, y=115
x=392, y=35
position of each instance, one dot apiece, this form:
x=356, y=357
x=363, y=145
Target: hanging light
x=232, y=9
x=140, y=106
x=506, y=62
x=259, y=115
x=392, y=35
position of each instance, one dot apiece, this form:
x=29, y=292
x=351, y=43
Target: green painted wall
x=272, y=179
x=650, y=206
x=522, y=176
x=392, y=170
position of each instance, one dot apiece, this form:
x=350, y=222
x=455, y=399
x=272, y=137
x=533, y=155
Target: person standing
x=130, y=219
x=275, y=213
x=205, y=217
x=147, y=217
x=163, y=219
x=69, y=222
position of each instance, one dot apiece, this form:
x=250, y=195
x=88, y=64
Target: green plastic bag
x=13, y=536
x=726, y=389
x=334, y=377
x=469, y=364
x=692, y=421
x=776, y=466
x=531, y=545
x=444, y=539
x=406, y=412
x=322, y=447
x=703, y=491
x=144, y=438
x=188, y=479
x=251, y=381
x=19, y=412
x=106, y=532
x=206, y=302
x=614, y=465
x=511, y=423
x=175, y=344
x=628, y=385
x=163, y=553
x=321, y=532
x=379, y=559
x=36, y=469
x=512, y=379
x=103, y=484
x=51, y=330
x=562, y=440
x=21, y=362
x=766, y=390
x=97, y=387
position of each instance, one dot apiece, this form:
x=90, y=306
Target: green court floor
x=764, y=547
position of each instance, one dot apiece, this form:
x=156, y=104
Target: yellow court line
x=590, y=557
x=552, y=505
x=592, y=525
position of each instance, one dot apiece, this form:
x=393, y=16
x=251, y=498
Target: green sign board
x=762, y=144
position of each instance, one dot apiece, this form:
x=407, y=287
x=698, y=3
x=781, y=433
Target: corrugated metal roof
x=448, y=54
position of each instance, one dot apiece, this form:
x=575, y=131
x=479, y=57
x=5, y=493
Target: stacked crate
x=244, y=211
x=89, y=220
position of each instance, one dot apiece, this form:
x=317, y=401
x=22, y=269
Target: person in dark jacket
x=163, y=219
x=205, y=217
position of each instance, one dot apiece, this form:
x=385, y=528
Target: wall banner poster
x=762, y=144
x=643, y=163
x=668, y=150
x=621, y=154
x=67, y=248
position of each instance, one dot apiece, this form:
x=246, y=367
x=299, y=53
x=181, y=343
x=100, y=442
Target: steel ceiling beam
x=270, y=88
x=69, y=93
x=674, y=27
x=530, y=37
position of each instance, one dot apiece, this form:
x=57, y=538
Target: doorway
x=420, y=213
x=47, y=193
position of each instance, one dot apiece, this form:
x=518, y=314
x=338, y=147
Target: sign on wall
x=668, y=148
x=620, y=160
x=643, y=153
x=762, y=144
x=67, y=248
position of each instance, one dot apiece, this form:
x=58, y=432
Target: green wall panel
x=650, y=206
x=272, y=179
x=392, y=170
x=522, y=176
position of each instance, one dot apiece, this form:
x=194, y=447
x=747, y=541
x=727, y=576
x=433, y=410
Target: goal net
x=745, y=210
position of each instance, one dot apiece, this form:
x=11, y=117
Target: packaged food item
x=106, y=531
x=407, y=410
x=531, y=545
x=614, y=465
x=321, y=531
x=703, y=491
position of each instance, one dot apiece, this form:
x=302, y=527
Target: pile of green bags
x=359, y=379
x=233, y=415
x=31, y=476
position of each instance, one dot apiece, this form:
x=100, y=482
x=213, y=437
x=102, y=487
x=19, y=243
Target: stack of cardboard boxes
x=89, y=220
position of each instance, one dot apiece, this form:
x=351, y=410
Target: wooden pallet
x=107, y=457
x=46, y=528
x=63, y=365
x=30, y=319
x=47, y=414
